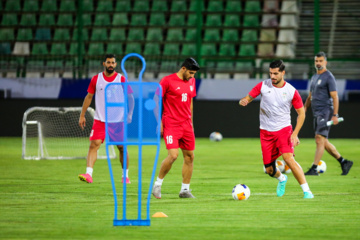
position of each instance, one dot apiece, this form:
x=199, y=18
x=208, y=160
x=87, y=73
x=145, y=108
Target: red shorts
x=116, y=131
x=179, y=135
x=274, y=144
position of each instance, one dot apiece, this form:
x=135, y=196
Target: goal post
x=54, y=133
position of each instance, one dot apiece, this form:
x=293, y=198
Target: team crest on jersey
x=284, y=95
x=319, y=82
x=191, y=88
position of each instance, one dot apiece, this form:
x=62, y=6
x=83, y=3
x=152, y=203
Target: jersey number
x=169, y=139
x=184, y=97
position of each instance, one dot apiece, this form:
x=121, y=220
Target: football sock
x=340, y=159
x=314, y=166
x=89, y=171
x=159, y=181
x=305, y=187
x=127, y=173
x=281, y=178
x=185, y=187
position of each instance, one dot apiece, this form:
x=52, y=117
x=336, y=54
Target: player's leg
x=121, y=157
x=187, y=171
x=345, y=164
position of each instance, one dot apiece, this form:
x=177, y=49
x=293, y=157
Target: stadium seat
x=225, y=66
x=175, y=34
x=247, y=50
x=191, y=34
x=252, y=6
x=230, y=35
x=227, y=50
x=58, y=49
x=99, y=34
x=208, y=49
x=249, y=35
x=61, y=34
x=104, y=6
x=152, y=49
x=117, y=34
x=74, y=49
x=289, y=6
x=177, y=20
x=7, y=34
x=46, y=20
x=31, y=6
x=171, y=49
x=86, y=20
x=188, y=49
x=178, y=6
x=269, y=20
x=12, y=5
x=120, y=19
x=193, y=6
x=67, y=6
x=271, y=6
x=5, y=48
x=233, y=6
x=114, y=48
x=141, y=6
x=84, y=32
x=24, y=34
x=212, y=35
x=9, y=19
x=123, y=6
x=102, y=19
x=232, y=20
x=28, y=20
x=268, y=35
x=65, y=20
x=57, y=64
x=138, y=20
x=192, y=20
x=135, y=34
x=285, y=50
x=213, y=20
x=251, y=21
x=157, y=19
x=88, y=5
x=96, y=49
x=159, y=6
x=39, y=49
x=43, y=34
x=215, y=6
x=133, y=48
x=154, y=34
x=48, y=6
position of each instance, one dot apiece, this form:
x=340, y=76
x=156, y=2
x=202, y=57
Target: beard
x=319, y=67
x=109, y=70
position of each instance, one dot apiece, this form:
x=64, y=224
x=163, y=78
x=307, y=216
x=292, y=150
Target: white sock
x=305, y=187
x=127, y=173
x=281, y=177
x=89, y=171
x=185, y=187
x=159, y=181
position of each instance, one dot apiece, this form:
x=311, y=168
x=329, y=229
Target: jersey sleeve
x=164, y=85
x=130, y=90
x=297, y=101
x=256, y=90
x=332, y=83
x=92, y=86
x=194, y=86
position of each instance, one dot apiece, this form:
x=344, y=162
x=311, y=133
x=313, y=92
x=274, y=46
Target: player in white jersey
x=97, y=135
x=276, y=134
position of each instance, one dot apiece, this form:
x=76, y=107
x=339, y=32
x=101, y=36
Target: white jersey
x=114, y=94
x=275, y=105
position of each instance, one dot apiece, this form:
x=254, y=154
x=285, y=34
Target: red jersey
x=177, y=95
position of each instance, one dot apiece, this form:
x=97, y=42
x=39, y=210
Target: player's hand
x=82, y=122
x=129, y=118
x=243, y=102
x=295, y=140
x=335, y=120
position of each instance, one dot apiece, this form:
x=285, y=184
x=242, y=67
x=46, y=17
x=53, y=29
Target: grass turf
x=45, y=200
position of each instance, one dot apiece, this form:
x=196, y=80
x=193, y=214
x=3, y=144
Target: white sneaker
x=186, y=194
x=156, y=191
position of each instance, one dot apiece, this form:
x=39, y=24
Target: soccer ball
x=321, y=168
x=241, y=192
x=280, y=164
x=287, y=169
x=215, y=137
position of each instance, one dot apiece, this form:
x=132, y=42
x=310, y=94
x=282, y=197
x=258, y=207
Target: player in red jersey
x=97, y=135
x=178, y=90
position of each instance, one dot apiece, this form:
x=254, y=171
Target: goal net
x=54, y=133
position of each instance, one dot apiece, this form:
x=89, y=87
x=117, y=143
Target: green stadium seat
x=7, y=34
x=157, y=19
x=135, y=34
x=123, y=6
x=96, y=49
x=154, y=34
x=88, y=5
x=225, y=66
x=212, y=35
x=188, y=49
x=133, y=48
x=230, y=35
x=84, y=32
x=152, y=49
x=65, y=20
x=191, y=34
x=252, y=6
x=47, y=20
x=177, y=20
x=193, y=6
x=120, y=19
x=208, y=49
x=104, y=6
x=227, y=50
x=61, y=34
x=249, y=35
x=43, y=34
x=169, y=66
x=114, y=48
x=24, y=34
x=74, y=49
x=215, y=6
x=48, y=6
x=54, y=64
x=99, y=34
x=39, y=49
x=58, y=49
x=159, y=6
x=171, y=49
x=247, y=50
x=102, y=19
x=35, y=64
x=141, y=6
x=9, y=19
x=67, y=6
x=28, y=20
x=213, y=20
x=117, y=34
x=138, y=20
x=232, y=20
x=251, y=21
x=175, y=34
x=31, y=6
x=5, y=48
x=12, y=5
x=86, y=19
x=233, y=6
x=178, y=6
x=192, y=20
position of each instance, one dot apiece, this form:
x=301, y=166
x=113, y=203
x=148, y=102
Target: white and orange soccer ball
x=215, y=137
x=321, y=168
x=287, y=169
x=280, y=164
x=241, y=192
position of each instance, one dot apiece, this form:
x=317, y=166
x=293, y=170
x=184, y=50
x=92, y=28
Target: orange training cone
x=159, y=214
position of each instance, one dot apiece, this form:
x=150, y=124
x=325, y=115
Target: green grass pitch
x=45, y=200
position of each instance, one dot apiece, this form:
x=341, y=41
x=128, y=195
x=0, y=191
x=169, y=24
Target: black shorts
x=320, y=120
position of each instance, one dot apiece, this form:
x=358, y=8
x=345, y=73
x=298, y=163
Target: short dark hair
x=109, y=56
x=321, y=54
x=278, y=64
x=190, y=64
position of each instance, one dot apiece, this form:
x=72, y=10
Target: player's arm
x=156, y=113
x=131, y=102
x=86, y=104
x=335, y=98
x=246, y=100
x=252, y=95
x=191, y=109
x=299, y=123
x=307, y=103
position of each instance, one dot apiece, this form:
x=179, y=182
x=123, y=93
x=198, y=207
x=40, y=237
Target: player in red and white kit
x=97, y=135
x=276, y=134
x=178, y=90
